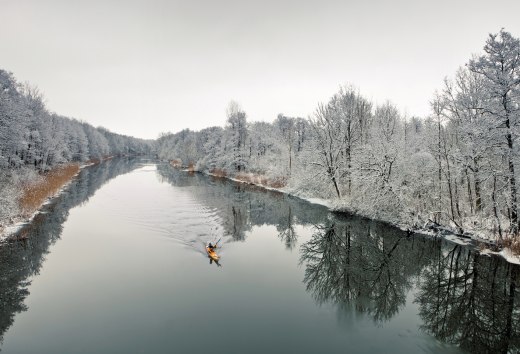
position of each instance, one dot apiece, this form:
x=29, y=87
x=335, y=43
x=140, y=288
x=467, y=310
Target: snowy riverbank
x=480, y=243
x=24, y=217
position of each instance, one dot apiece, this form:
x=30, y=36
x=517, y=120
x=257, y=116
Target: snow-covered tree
x=236, y=136
x=500, y=66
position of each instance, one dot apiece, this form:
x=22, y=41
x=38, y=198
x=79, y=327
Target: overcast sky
x=141, y=67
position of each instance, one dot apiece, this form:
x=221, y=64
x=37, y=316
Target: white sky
x=141, y=67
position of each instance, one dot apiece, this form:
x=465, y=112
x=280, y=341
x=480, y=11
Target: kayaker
x=211, y=247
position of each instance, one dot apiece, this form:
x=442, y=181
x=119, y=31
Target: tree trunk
x=470, y=193
x=349, y=181
x=493, y=198
x=438, y=214
x=336, y=186
x=478, y=198
x=290, y=159
x=512, y=184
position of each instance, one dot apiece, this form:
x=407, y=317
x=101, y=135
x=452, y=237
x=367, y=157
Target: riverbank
x=508, y=249
x=36, y=193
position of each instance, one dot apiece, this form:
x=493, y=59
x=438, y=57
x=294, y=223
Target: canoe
x=212, y=254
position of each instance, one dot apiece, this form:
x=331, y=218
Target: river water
x=117, y=265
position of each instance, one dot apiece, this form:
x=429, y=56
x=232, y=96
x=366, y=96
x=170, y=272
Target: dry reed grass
x=513, y=243
x=277, y=182
x=93, y=161
x=34, y=195
x=244, y=177
x=261, y=180
x=176, y=163
x=217, y=172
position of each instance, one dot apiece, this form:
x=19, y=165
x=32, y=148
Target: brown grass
x=34, y=195
x=513, y=243
x=277, y=182
x=217, y=172
x=245, y=177
x=262, y=180
x=176, y=163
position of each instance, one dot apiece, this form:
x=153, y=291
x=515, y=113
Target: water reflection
x=370, y=268
x=470, y=300
x=241, y=206
x=464, y=298
x=356, y=262
x=23, y=256
x=359, y=266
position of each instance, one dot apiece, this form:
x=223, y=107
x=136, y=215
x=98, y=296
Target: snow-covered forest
x=455, y=168
x=34, y=141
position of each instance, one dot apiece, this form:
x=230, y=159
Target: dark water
x=117, y=265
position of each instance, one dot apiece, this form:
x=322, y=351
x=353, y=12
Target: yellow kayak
x=212, y=254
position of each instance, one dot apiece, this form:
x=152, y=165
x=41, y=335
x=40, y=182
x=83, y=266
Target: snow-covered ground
x=20, y=221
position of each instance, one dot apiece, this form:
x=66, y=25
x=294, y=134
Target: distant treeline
x=455, y=168
x=30, y=135
x=34, y=141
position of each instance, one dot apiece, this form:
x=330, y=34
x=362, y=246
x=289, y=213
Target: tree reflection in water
x=471, y=300
x=23, y=256
x=359, y=265
x=368, y=267
x=241, y=206
x=285, y=228
x=464, y=298
x=369, y=270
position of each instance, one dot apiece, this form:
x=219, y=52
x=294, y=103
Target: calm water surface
x=117, y=265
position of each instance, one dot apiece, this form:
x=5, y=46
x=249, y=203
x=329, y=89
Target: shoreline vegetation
x=508, y=249
x=452, y=173
x=40, y=150
x=48, y=184
x=40, y=190
x=34, y=194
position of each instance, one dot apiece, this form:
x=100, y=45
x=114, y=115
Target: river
x=116, y=264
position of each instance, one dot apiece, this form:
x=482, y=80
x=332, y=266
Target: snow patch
x=505, y=253
x=324, y=202
x=457, y=240
x=86, y=165
x=16, y=226
x=509, y=256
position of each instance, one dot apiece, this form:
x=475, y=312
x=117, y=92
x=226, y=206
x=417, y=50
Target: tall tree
x=286, y=129
x=500, y=65
x=237, y=128
x=330, y=143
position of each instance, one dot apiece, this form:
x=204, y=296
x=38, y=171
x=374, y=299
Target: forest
x=34, y=142
x=453, y=170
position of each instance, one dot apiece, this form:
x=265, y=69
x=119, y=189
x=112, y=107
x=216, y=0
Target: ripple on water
x=178, y=218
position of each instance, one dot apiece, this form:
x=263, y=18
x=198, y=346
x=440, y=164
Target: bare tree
x=330, y=143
